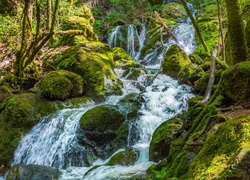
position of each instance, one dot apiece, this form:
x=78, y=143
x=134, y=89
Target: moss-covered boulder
x=94, y=62
x=128, y=157
x=190, y=73
x=175, y=59
x=133, y=73
x=122, y=59
x=201, y=84
x=100, y=126
x=78, y=29
x=26, y=172
x=234, y=84
x=60, y=85
x=19, y=114
x=173, y=11
x=162, y=138
x=196, y=59
x=225, y=154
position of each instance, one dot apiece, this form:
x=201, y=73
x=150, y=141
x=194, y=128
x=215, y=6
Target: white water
x=134, y=39
x=53, y=141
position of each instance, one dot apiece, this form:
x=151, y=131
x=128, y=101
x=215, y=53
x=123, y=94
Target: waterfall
x=129, y=38
x=53, y=140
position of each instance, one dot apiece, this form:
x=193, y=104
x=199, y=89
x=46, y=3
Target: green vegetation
x=51, y=57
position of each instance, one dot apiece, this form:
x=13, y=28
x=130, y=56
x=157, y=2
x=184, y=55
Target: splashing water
x=53, y=141
x=132, y=41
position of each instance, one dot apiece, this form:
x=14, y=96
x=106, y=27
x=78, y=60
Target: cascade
x=129, y=38
x=185, y=34
x=53, y=140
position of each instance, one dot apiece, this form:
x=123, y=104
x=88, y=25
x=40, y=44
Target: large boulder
x=32, y=172
x=122, y=59
x=226, y=152
x=60, y=85
x=78, y=29
x=100, y=126
x=19, y=114
x=128, y=157
x=234, y=84
x=174, y=11
x=163, y=137
x=174, y=61
x=94, y=62
x=190, y=73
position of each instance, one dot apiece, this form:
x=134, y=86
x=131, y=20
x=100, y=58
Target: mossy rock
x=196, y=59
x=225, y=154
x=201, y=84
x=94, y=62
x=175, y=59
x=133, y=73
x=130, y=104
x=190, y=73
x=173, y=11
x=162, y=138
x=128, y=157
x=20, y=113
x=80, y=23
x=60, y=85
x=122, y=59
x=102, y=123
x=31, y=171
x=5, y=91
x=234, y=84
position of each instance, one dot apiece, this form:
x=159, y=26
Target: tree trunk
x=184, y=3
x=237, y=38
x=26, y=35
x=49, y=14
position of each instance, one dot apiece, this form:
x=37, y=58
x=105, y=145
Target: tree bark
x=237, y=38
x=166, y=27
x=184, y=3
x=26, y=35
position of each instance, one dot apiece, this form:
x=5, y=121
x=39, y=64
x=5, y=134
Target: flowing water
x=53, y=140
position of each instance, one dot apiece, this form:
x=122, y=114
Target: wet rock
x=174, y=61
x=122, y=59
x=100, y=126
x=61, y=85
x=128, y=157
x=32, y=172
x=162, y=138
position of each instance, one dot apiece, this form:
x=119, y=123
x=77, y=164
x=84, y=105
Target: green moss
x=102, y=118
x=94, y=62
x=196, y=59
x=162, y=138
x=173, y=11
x=76, y=81
x=201, y=84
x=128, y=157
x=122, y=59
x=190, y=73
x=234, y=83
x=222, y=151
x=133, y=73
x=174, y=61
x=55, y=86
x=20, y=113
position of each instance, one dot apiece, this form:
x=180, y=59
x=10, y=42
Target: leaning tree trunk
x=237, y=38
x=184, y=3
